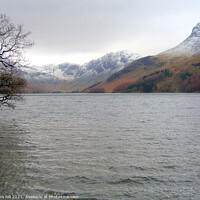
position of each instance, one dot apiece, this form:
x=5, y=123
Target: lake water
x=101, y=146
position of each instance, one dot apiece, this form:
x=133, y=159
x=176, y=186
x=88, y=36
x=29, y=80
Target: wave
x=137, y=180
x=82, y=179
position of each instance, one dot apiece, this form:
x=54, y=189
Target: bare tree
x=13, y=41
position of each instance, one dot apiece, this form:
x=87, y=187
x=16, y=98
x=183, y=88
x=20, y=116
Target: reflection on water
x=12, y=159
x=141, y=146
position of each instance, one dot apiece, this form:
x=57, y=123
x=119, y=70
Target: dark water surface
x=102, y=146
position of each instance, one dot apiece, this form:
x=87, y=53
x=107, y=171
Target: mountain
x=65, y=71
x=189, y=46
x=175, y=70
x=74, y=77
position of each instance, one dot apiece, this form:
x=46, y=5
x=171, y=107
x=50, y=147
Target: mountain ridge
x=189, y=47
x=175, y=70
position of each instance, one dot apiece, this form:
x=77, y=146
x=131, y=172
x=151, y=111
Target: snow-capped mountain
x=107, y=64
x=83, y=75
x=65, y=71
x=189, y=46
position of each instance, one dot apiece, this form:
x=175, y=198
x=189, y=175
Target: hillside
x=175, y=70
x=155, y=74
x=31, y=88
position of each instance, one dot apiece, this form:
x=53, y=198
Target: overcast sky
x=80, y=30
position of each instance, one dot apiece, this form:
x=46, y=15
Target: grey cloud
x=70, y=26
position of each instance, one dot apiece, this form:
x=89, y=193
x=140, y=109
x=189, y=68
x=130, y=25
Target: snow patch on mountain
x=189, y=46
x=106, y=65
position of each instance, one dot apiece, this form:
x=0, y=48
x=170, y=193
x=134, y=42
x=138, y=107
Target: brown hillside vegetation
x=155, y=74
x=31, y=88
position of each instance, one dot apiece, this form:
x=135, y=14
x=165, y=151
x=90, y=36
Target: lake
x=101, y=146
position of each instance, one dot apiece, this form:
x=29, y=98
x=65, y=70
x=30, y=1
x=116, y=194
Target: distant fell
x=69, y=77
